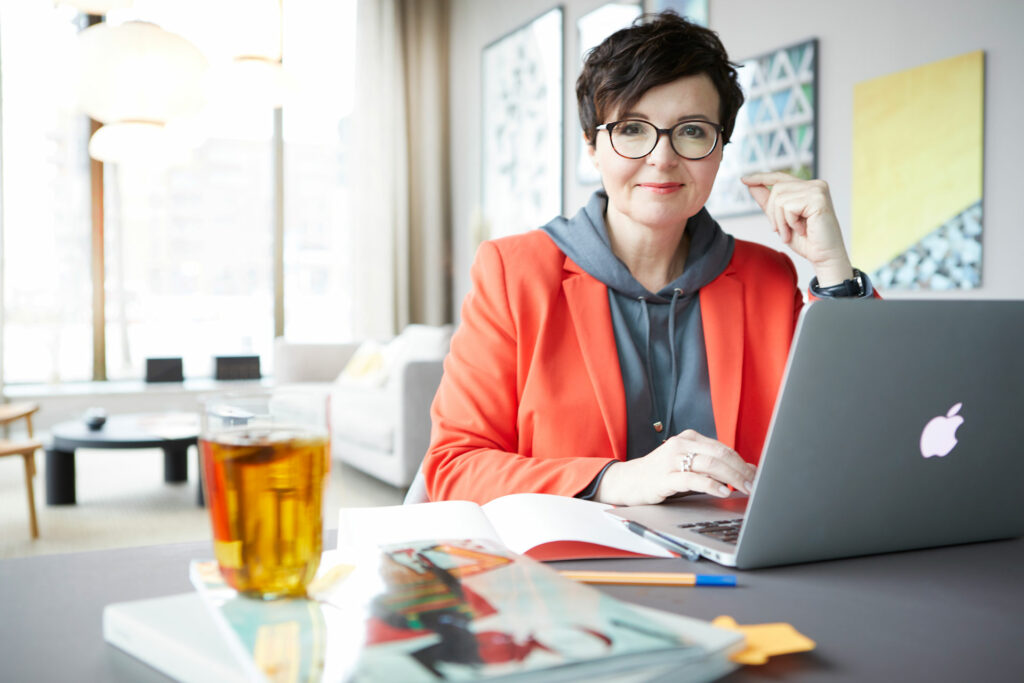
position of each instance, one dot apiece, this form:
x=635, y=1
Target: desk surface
x=945, y=614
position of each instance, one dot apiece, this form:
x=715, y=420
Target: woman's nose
x=663, y=154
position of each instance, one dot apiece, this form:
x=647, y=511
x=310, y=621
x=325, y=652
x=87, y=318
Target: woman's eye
x=632, y=129
x=691, y=131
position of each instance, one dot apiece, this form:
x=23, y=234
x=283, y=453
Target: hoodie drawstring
x=666, y=424
x=658, y=426
x=672, y=354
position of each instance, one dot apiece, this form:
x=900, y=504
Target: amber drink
x=264, y=476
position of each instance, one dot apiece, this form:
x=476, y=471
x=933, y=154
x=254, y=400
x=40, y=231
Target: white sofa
x=380, y=424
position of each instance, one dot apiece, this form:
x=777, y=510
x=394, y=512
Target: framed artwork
x=593, y=28
x=918, y=160
x=776, y=128
x=522, y=127
x=694, y=10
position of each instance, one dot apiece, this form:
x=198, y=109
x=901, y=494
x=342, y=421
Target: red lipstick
x=662, y=188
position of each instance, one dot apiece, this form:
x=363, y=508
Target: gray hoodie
x=659, y=335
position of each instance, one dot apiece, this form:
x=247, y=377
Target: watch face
x=858, y=283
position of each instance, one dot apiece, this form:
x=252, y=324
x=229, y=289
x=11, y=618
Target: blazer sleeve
x=474, y=452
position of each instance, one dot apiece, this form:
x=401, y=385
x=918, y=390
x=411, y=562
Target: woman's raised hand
x=801, y=212
x=687, y=461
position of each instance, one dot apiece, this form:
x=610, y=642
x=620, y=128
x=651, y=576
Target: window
x=47, y=317
x=319, y=45
x=189, y=257
x=188, y=248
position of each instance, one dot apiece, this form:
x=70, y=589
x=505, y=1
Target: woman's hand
x=801, y=212
x=713, y=468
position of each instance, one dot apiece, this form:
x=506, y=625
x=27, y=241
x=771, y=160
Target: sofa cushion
x=364, y=415
x=376, y=365
x=367, y=367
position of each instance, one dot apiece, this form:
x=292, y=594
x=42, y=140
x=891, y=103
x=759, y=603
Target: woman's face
x=662, y=189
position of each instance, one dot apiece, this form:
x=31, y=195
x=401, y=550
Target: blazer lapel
x=721, y=309
x=588, y=305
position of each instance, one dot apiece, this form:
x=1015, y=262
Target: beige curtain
x=400, y=175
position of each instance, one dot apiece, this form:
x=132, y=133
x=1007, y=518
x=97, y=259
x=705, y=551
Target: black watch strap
x=855, y=286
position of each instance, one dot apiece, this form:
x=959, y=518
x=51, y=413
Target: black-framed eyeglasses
x=636, y=138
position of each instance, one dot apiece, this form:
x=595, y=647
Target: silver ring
x=687, y=463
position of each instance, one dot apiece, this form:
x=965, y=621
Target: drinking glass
x=265, y=459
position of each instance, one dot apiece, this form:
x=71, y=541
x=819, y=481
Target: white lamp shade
x=137, y=71
x=136, y=142
x=98, y=7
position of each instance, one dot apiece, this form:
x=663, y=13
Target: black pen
x=662, y=540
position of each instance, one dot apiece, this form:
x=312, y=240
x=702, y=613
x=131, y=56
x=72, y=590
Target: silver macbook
x=898, y=425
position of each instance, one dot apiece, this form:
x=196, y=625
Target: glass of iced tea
x=265, y=458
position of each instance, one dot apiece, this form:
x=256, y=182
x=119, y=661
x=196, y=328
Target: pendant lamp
x=135, y=78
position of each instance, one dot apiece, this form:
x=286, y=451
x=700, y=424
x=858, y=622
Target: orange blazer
x=532, y=398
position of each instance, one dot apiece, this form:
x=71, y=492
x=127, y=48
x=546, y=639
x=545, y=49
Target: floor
x=123, y=501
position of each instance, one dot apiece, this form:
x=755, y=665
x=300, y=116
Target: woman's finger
x=692, y=481
x=781, y=224
x=718, y=463
x=760, y=193
x=722, y=471
x=795, y=220
x=767, y=178
x=684, y=442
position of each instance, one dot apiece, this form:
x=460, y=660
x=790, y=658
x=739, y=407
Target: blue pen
x=662, y=540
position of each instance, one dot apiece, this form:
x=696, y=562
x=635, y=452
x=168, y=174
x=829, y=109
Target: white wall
x=857, y=41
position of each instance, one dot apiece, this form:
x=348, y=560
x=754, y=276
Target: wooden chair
x=25, y=448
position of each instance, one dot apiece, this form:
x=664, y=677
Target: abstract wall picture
x=522, y=127
x=593, y=28
x=918, y=155
x=694, y=10
x=775, y=128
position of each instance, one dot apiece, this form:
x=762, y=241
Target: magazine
x=456, y=610
x=541, y=526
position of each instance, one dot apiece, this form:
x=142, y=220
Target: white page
x=526, y=520
x=455, y=519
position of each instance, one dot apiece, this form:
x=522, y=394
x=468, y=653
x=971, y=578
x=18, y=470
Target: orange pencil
x=649, y=578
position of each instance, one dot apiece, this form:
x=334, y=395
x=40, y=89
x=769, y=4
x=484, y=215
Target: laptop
x=898, y=425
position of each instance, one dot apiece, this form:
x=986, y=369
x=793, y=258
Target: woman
x=634, y=352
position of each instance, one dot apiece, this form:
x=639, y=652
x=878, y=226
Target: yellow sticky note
x=765, y=640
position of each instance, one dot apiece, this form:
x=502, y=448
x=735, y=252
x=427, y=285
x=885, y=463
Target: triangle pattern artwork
x=947, y=258
x=774, y=127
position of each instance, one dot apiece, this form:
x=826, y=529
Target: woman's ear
x=591, y=151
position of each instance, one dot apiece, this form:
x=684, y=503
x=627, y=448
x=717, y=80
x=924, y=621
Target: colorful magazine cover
x=454, y=611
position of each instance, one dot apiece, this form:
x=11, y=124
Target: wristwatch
x=847, y=288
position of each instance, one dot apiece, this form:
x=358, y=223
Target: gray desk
x=948, y=614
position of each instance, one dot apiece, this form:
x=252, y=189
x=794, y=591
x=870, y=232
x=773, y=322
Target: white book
x=573, y=631
x=541, y=526
x=175, y=635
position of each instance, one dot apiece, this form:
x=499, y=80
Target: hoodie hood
x=584, y=239
x=658, y=335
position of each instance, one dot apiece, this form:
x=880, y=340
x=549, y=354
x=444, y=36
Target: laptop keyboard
x=727, y=530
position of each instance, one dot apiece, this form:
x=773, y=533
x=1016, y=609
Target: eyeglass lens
x=690, y=139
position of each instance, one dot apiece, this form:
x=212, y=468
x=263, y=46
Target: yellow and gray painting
x=918, y=140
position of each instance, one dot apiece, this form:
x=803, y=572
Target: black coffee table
x=173, y=432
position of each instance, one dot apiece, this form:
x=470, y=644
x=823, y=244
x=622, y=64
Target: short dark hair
x=656, y=49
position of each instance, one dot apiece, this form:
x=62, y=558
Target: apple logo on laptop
x=939, y=436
